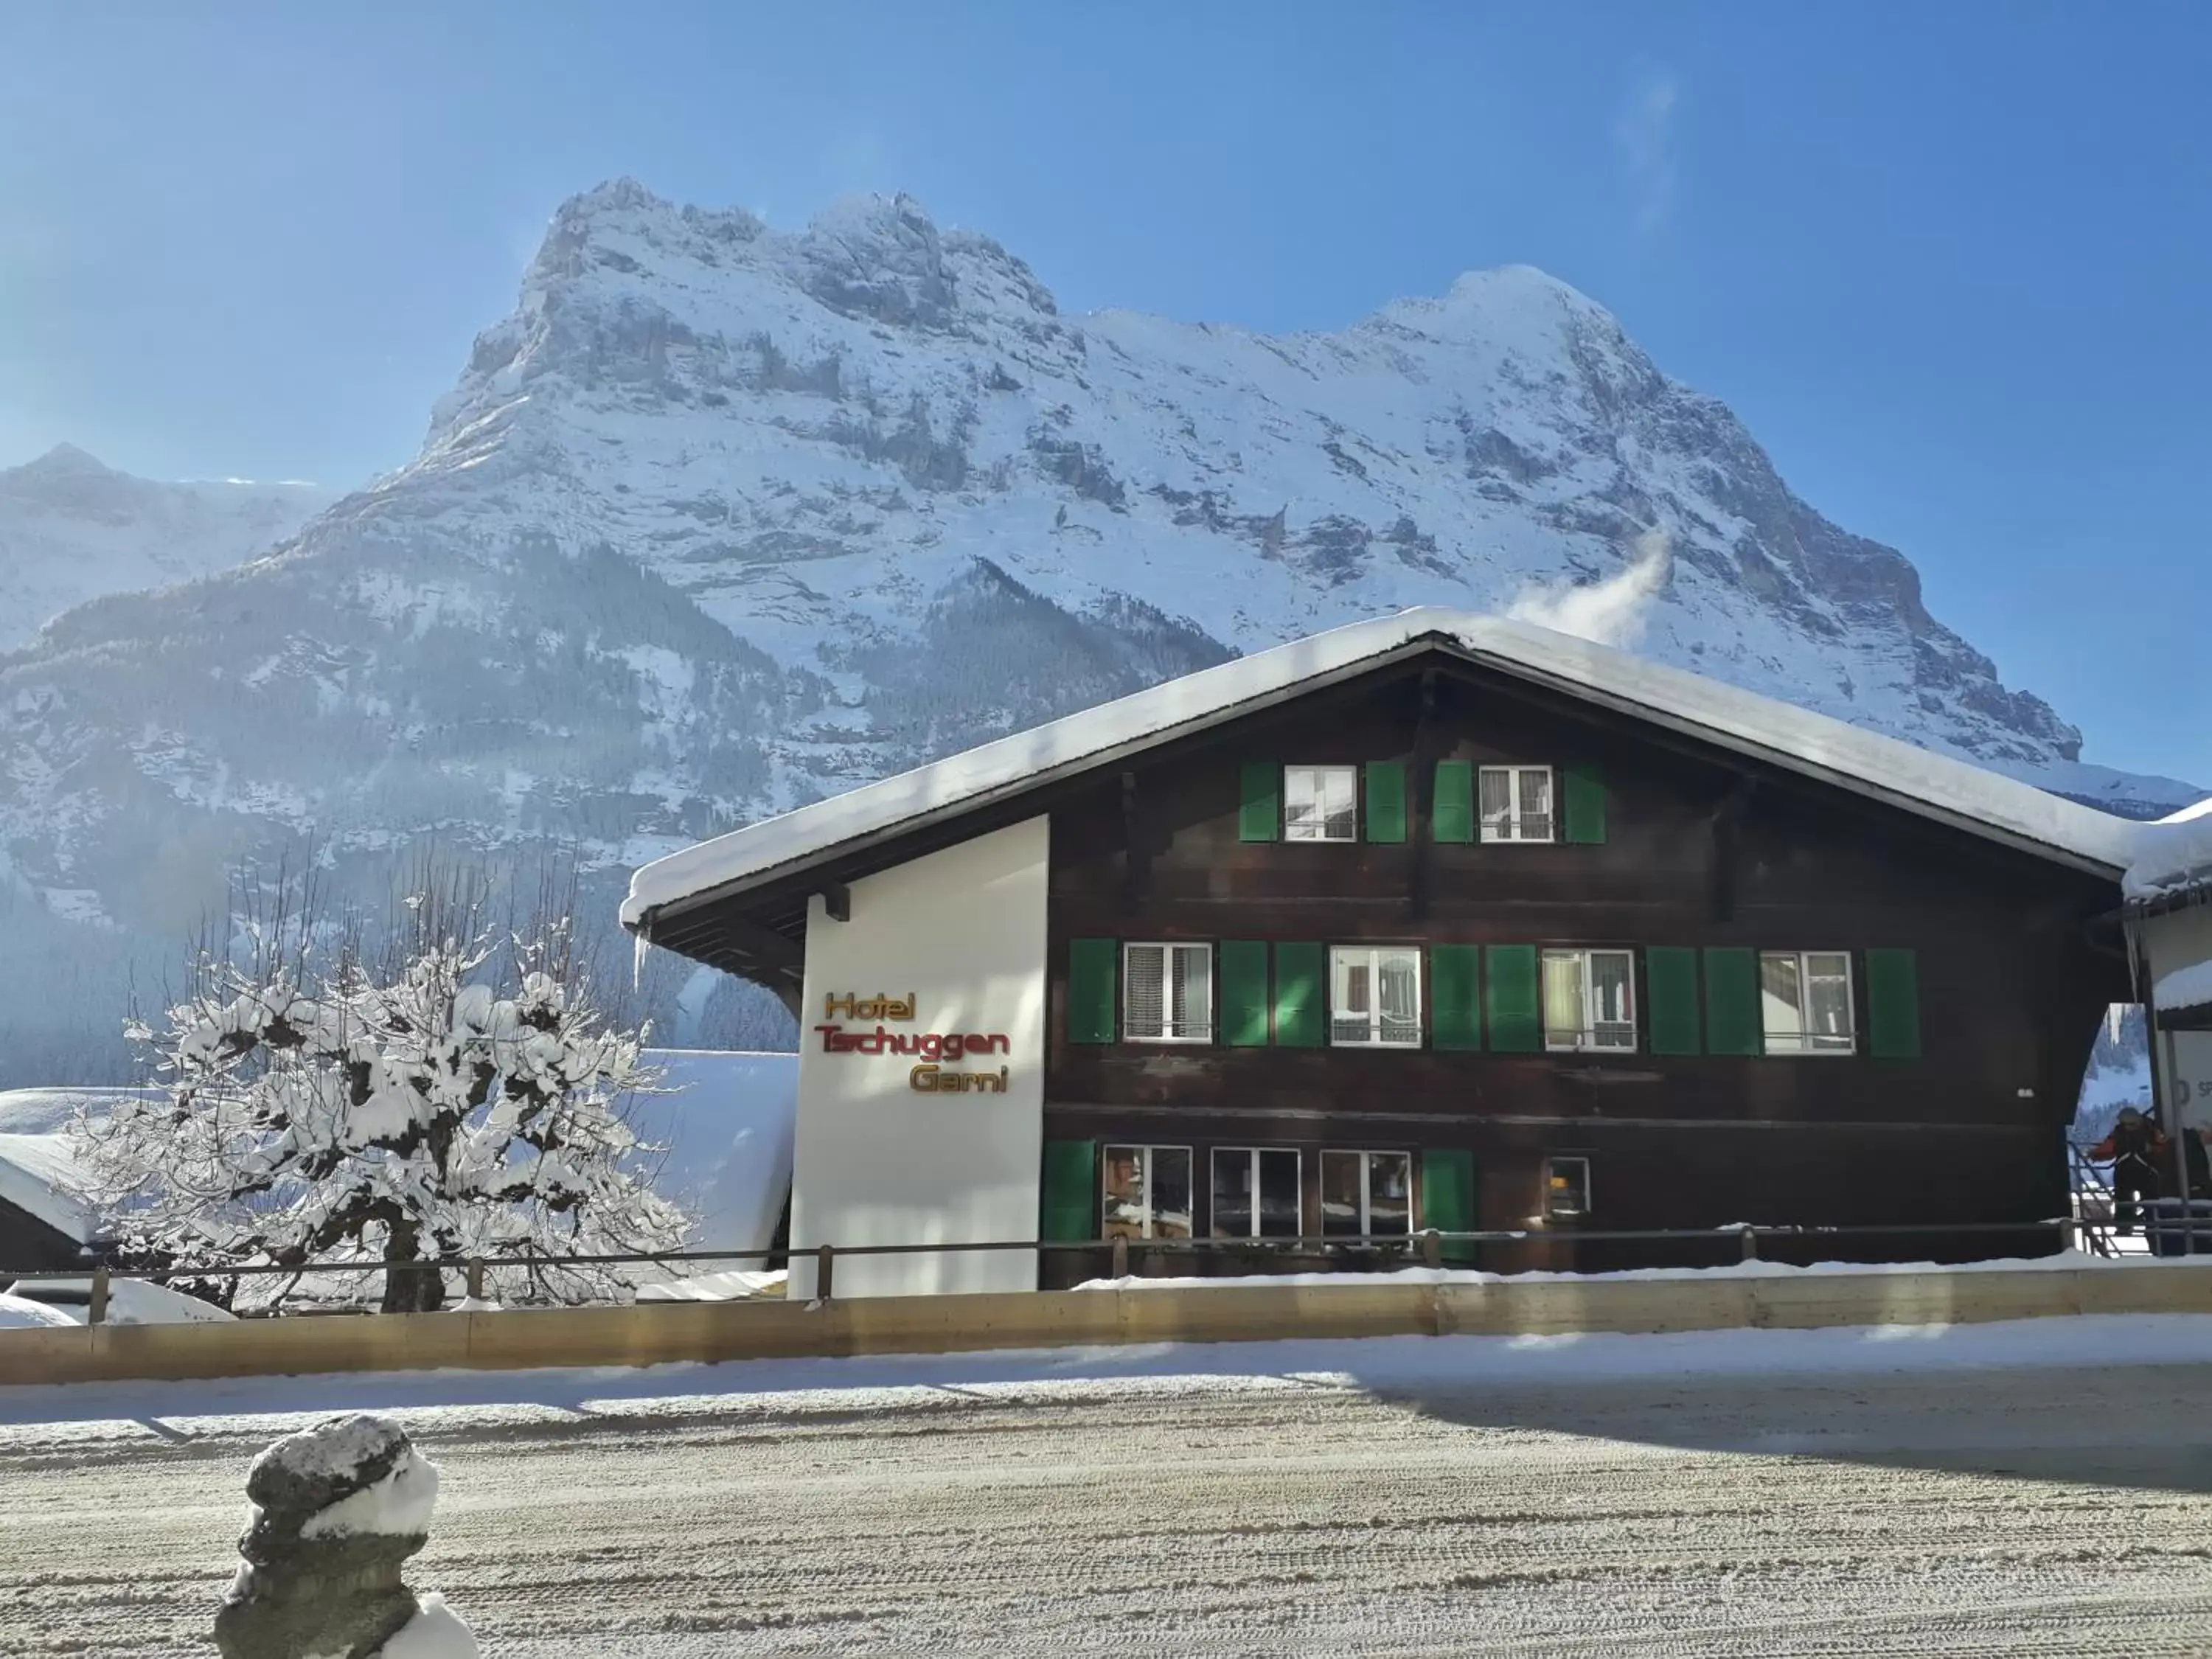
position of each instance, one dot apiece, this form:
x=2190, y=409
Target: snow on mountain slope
x=722, y=519
x=72, y=529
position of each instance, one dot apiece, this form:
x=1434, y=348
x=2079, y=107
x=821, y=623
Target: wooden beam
x=1136, y=852
x=836, y=901
x=1420, y=873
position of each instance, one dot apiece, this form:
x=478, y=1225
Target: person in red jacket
x=2134, y=1150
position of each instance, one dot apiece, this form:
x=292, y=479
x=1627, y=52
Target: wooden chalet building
x=1440, y=921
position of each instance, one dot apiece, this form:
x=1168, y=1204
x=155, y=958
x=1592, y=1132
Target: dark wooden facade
x=1701, y=849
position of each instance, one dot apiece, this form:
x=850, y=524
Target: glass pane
x=1563, y=1017
x=1280, y=1206
x=1390, y=1193
x=1171, y=1172
x=1566, y=1186
x=1232, y=1192
x=1340, y=803
x=1781, y=1001
x=1192, y=1006
x=1497, y=802
x=1123, y=1212
x=1613, y=998
x=1400, y=979
x=1828, y=1001
x=1141, y=989
x=1535, y=804
x=1302, y=814
x=1339, y=1194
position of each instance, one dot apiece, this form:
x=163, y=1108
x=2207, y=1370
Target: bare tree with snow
x=458, y=1095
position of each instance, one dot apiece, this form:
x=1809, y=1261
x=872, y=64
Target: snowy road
x=1759, y=1494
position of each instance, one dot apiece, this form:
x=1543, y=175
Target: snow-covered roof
x=2173, y=856
x=1915, y=780
x=39, y=1175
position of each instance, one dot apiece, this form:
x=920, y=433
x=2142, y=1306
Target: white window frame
x=1589, y=1192
x=1198, y=1031
x=1585, y=1041
x=1375, y=953
x=1145, y=1151
x=1511, y=831
x=1804, y=1042
x=1365, y=1154
x=1252, y=1153
x=1316, y=777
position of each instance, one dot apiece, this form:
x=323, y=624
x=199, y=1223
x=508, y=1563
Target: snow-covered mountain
x=71, y=530
x=722, y=519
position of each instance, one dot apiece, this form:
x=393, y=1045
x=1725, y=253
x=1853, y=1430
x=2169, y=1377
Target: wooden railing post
x=476, y=1279
x=97, y=1313
x=1432, y=1248
x=1120, y=1267
x=825, y=1258
x=1750, y=1245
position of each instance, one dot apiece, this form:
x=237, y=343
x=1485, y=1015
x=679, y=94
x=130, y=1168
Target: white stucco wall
x=876, y=1161
x=2182, y=938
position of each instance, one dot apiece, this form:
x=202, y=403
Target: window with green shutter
x=1670, y=999
x=1453, y=820
x=1260, y=807
x=1892, y=1005
x=1093, y=965
x=1516, y=1024
x=1583, y=800
x=1386, y=800
x=1243, y=994
x=1067, y=1192
x=1299, y=977
x=1732, y=1019
x=1448, y=1201
x=1455, y=1004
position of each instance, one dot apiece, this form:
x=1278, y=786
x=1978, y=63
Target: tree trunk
x=422, y=1291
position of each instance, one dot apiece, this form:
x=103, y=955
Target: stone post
x=337, y=1509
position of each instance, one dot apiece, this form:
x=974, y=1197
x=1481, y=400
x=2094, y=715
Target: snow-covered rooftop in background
x=1915, y=779
x=39, y=1175
x=2173, y=854
x=728, y=1129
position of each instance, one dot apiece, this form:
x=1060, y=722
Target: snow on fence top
x=1915, y=779
x=2173, y=856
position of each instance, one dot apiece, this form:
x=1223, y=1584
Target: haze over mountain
x=721, y=518
x=71, y=530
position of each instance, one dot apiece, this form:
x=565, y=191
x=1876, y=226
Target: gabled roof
x=1932, y=786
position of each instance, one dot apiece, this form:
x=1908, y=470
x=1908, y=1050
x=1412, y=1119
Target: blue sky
x=1949, y=263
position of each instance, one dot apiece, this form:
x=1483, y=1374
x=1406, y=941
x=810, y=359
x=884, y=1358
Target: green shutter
x=1454, y=1007
x=1732, y=1021
x=1299, y=973
x=1243, y=997
x=1067, y=1197
x=1259, y=809
x=1585, y=805
x=1670, y=999
x=1386, y=800
x=1454, y=819
x=1447, y=1196
x=1892, y=1005
x=1517, y=1025
x=1093, y=965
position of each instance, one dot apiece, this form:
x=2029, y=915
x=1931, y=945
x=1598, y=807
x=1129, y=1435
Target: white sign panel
x=921, y=1070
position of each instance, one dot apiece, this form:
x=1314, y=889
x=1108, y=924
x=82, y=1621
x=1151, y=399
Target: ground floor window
x=1566, y=1188
x=1148, y=1193
x=1375, y=996
x=1257, y=1192
x=1366, y=1193
x=1804, y=1002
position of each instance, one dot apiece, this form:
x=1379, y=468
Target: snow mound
x=21, y=1314
x=436, y=1633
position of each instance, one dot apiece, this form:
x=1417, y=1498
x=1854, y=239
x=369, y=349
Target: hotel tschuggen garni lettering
x=929, y=1077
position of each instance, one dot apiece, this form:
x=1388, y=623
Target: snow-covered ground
x=2044, y=1487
